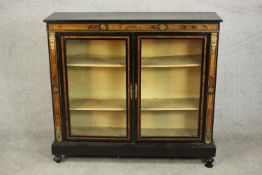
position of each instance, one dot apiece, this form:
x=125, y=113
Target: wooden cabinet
x=133, y=84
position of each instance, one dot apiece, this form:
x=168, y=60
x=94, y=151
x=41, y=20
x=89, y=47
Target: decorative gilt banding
x=103, y=26
x=162, y=26
x=52, y=40
x=208, y=136
x=213, y=42
x=135, y=27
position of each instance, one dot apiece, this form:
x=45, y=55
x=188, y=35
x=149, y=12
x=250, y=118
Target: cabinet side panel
x=55, y=86
x=211, y=88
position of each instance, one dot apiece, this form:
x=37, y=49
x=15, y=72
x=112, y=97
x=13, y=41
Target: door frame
x=61, y=37
x=204, y=80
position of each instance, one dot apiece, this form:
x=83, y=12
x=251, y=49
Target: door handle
x=131, y=91
x=135, y=91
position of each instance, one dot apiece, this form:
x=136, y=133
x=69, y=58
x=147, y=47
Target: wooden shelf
x=98, y=131
x=95, y=61
x=172, y=61
x=170, y=104
x=147, y=62
x=146, y=132
x=97, y=105
x=164, y=132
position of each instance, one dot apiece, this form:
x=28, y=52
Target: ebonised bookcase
x=133, y=84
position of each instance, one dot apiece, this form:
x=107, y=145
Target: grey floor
x=26, y=129
x=238, y=153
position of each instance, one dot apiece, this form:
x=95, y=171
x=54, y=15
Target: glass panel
x=170, y=87
x=96, y=71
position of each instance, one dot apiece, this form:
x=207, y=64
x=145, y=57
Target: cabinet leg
x=57, y=158
x=208, y=162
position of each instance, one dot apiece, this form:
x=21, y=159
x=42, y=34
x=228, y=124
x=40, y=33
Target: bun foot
x=58, y=158
x=209, y=162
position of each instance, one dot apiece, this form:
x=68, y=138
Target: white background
x=26, y=128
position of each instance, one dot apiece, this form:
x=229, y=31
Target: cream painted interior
x=97, y=82
x=170, y=82
x=170, y=87
x=178, y=83
x=102, y=47
x=98, y=123
x=169, y=123
x=170, y=47
x=97, y=87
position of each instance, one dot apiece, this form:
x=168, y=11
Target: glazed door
x=96, y=78
x=170, y=83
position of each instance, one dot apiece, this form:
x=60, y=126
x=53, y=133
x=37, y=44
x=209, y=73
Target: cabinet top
x=183, y=17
